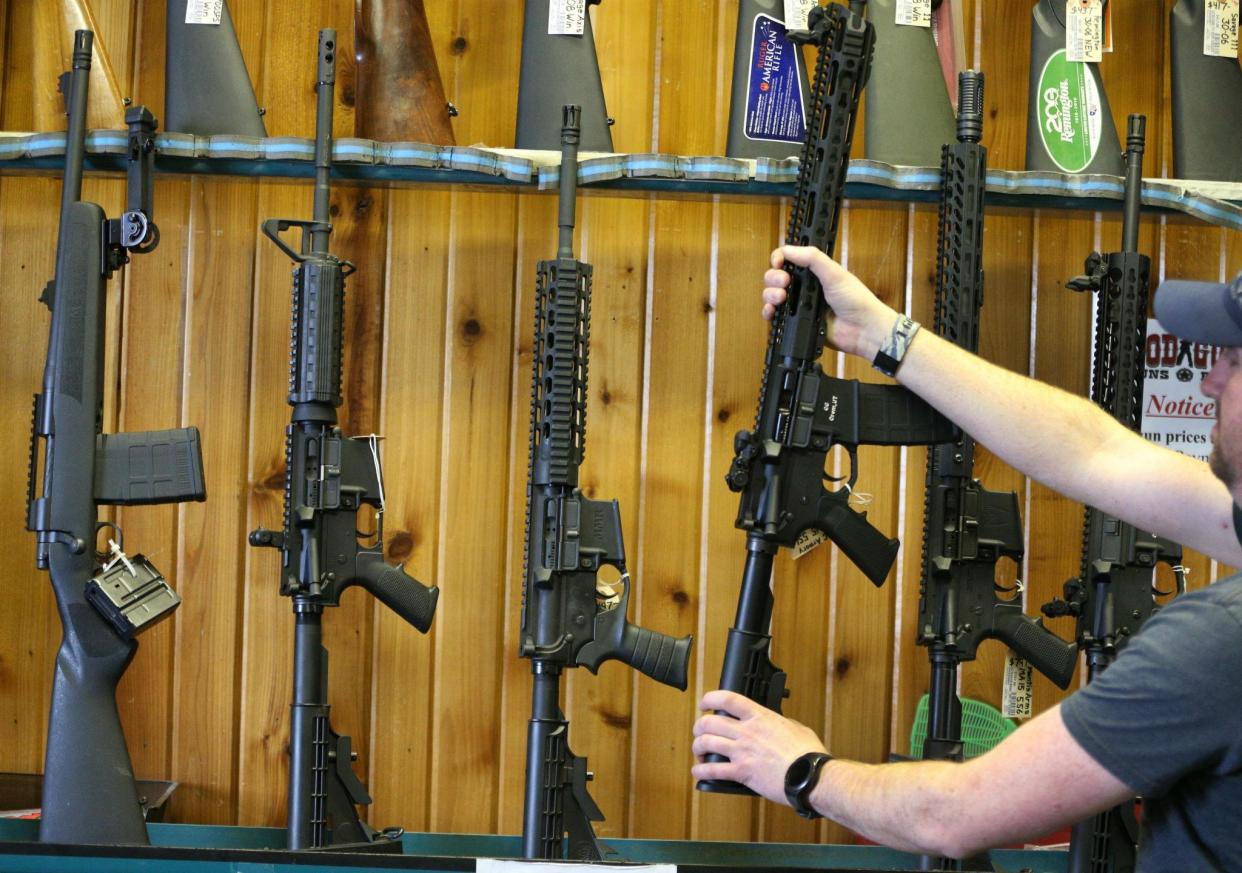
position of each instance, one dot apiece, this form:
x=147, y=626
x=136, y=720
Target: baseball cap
x=1203, y=312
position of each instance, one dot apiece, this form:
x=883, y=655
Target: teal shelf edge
x=364, y=162
x=200, y=848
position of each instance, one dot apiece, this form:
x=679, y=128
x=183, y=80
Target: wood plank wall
x=438, y=361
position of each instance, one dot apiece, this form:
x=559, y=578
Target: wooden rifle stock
x=400, y=95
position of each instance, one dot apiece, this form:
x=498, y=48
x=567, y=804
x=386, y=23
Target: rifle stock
x=207, y=90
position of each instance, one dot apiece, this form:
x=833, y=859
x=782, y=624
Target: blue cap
x=1203, y=312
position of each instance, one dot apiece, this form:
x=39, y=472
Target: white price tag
x=1016, y=689
x=796, y=13
x=1084, y=30
x=915, y=12
x=567, y=17
x=204, y=11
x=807, y=540
x=1220, y=28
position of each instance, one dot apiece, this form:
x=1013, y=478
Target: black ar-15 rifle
x=803, y=413
x=1114, y=593
x=328, y=479
x=966, y=528
x=566, y=620
x=88, y=786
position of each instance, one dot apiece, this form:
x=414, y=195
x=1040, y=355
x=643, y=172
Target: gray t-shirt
x=1166, y=719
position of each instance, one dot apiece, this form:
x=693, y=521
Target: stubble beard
x=1220, y=466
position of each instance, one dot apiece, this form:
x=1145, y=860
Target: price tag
x=1084, y=30
x=204, y=11
x=807, y=540
x=914, y=12
x=796, y=13
x=1220, y=28
x=1016, y=689
x=567, y=17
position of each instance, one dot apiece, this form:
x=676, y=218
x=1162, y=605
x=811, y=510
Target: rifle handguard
x=399, y=591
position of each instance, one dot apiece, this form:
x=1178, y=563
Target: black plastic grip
x=399, y=591
x=1046, y=652
x=858, y=539
x=663, y=658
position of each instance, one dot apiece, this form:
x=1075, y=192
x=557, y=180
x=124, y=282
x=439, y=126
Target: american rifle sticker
x=774, y=102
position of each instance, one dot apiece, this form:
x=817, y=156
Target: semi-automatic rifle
x=329, y=478
x=966, y=528
x=803, y=413
x=567, y=619
x=88, y=786
x=1114, y=593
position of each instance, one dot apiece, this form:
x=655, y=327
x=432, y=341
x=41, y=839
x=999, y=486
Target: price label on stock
x=796, y=13
x=567, y=17
x=1220, y=28
x=914, y=12
x=1016, y=688
x=1084, y=30
x=204, y=11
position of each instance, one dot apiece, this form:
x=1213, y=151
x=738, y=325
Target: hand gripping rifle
x=88, y=786
x=966, y=528
x=566, y=620
x=328, y=479
x=803, y=413
x=1114, y=593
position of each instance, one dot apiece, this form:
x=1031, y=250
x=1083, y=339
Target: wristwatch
x=891, y=353
x=801, y=779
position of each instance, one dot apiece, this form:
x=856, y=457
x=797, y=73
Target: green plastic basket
x=982, y=727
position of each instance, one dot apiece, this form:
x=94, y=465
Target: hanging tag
x=914, y=12
x=1084, y=30
x=807, y=540
x=204, y=11
x=1016, y=689
x=796, y=13
x=1220, y=28
x=567, y=17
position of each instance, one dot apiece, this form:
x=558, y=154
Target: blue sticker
x=774, y=105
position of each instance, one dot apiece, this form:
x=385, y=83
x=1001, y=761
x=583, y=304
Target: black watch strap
x=891, y=353
x=801, y=779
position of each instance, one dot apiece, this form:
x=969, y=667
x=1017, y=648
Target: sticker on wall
x=1176, y=414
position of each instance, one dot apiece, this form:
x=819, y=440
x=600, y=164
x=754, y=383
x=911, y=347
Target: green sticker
x=1070, y=104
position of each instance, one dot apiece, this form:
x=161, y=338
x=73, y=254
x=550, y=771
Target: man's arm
x=1062, y=440
x=1037, y=780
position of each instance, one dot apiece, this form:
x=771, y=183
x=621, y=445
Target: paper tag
x=1084, y=30
x=510, y=865
x=1220, y=28
x=807, y=540
x=204, y=11
x=797, y=12
x=1016, y=689
x=915, y=12
x=567, y=17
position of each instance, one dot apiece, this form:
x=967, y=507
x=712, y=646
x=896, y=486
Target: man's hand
x=859, y=322
x=759, y=743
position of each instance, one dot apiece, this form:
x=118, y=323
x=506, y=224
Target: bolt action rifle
x=88, y=787
x=966, y=528
x=1114, y=593
x=803, y=413
x=566, y=620
x=328, y=479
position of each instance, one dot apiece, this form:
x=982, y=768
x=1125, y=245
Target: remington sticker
x=1071, y=113
x=774, y=110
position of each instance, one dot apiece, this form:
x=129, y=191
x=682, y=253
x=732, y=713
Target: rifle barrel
x=324, y=87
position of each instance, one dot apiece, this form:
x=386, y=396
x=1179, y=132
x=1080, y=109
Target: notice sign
x=1176, y=414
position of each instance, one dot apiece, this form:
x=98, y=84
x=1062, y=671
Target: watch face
x=799, y=771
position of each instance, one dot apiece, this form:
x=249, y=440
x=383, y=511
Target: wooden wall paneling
x=625, y=47
x=863, y=616
x=1005, y=57
x=287, y=89
x=679, y=306
x=479, y=328
x=911, y=670
x=746, y=235
x=401, y=675
x=4, y=39
x=1134, y=75
x=1061, y=357
x=117, y=22
x=20, y=51
x=537, y=239
x=53, y=23
x=151, y=380
x=1191, y=250
x=29, y=627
